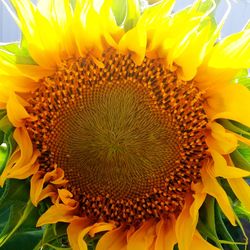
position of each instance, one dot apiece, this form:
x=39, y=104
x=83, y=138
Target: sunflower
x=127, y=122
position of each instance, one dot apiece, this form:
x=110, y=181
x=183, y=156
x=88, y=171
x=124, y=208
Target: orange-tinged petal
x=48, y=191
x=15, y=111
x=143, y=238
x=231, y=102
x=39, y=179
x=80, y=227
x=213, y=188
x=199, y=197
x=22, y=163
x=185, y=224
x=219, y=139
x=66, y=197
x=198, y=243
x=165, y=235
x=113, y=240
x=76, y=230
x=223, y=170
x=188, y=218
x=242, y=190
x=100, y=227
x=57, y=213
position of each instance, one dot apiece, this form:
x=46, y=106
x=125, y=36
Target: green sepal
x=16, y=53
x=132, y=14
x=119, y=9
x=19, y=213
x=54, y=237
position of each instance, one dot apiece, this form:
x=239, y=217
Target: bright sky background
x=237, y=19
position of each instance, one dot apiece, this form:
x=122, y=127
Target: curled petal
x=223, y=170
x=219, y=139
x=113, y=240
x=58, y=213
x=22, y=163
x=39, y=179
x=80, y=227
x=199, y=243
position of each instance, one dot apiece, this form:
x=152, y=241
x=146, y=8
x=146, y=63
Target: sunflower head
x=125, y=121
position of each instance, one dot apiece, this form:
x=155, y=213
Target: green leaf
x=54, y=237
x=16, y=53
x=24, y=240
x=20, y=213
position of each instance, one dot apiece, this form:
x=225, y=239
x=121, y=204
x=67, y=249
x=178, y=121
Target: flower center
x=129, y=138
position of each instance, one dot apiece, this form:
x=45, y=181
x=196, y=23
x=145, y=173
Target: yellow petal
x=48, y=191
x=39, y=180
x=223, y=170
x=76, y=230
x=22, y=163
x=213, y=188
x=57, y=213
x=42, y=39
x=165, y=235
x=80, y=227
x=219, y=139
x=197, y=40
x=93, y=30
x=231, y=102
x=134, y=41
x=113, y=240
x=198, y=243
x=144, y=237
x=183, y=223
x=188, y=218
x=242, y=190
x=199, y=197
x=67, y=197
x=15, y=111
x=232, y=52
